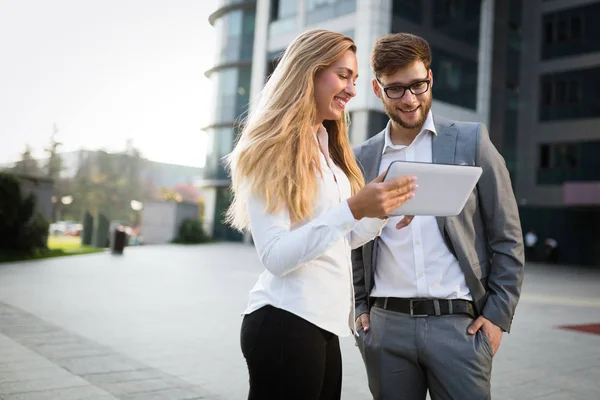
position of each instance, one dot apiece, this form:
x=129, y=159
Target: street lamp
x=66, y=200
x=136, y=205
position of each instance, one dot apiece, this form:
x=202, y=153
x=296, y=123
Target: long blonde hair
x=277, y=156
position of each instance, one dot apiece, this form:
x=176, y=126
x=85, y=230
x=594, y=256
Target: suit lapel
x=443, y=150
x=372, y=154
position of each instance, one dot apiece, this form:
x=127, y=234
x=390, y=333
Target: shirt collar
x=428, y=125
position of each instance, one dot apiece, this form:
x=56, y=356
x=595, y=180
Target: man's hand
x=405, y=221
x=363, y=320
x=493, y=331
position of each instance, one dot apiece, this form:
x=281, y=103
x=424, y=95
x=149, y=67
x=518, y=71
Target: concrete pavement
x=162, y=322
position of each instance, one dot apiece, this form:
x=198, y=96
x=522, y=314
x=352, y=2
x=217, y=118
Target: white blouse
x=308, y=266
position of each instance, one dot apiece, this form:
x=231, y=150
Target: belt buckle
x=412, y=310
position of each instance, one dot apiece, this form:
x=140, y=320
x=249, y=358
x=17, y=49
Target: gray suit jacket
x=485, y=237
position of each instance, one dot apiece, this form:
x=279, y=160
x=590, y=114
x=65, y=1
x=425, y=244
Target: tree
x=23, y=230
x=53, y=166
x=107, y=182
x=187, y=192
x=27, y=165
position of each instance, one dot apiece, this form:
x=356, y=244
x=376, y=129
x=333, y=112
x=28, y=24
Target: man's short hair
x=398, y=50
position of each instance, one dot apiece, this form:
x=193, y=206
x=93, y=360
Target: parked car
x=65, y=228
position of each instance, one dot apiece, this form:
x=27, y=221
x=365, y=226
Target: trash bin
x=118, y=243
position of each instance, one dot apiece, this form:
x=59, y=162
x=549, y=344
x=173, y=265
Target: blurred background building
x=529, y=70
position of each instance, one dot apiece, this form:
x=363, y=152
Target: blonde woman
x=299, y=190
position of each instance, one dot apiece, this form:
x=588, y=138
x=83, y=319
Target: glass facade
x=221, y=230
x=570, y=95
x=411, y=10
x=272, y=60
x=323, y=10
x=458, y=19
x=455, y=78
x=232, y=93
x=512, y=102
x=231, y=2
x=239, y=41
x=377, y=122
x=570, y=32
x=284, y=14
x=220, y=142
x=231, y=83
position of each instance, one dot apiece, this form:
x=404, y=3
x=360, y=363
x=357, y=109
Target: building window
x=411, y=10
x=272, y=61
x=575, y=27
x=232, y=91
x=323, y=10
x=570, y=95
x=239, y=41
x=548, y=31
x=515, y=14
x=455, y=79
x=547, y=94
x=377, y=122
x=544, y=156
x=570, y=32
x=283, y=17
x=561, y=30
x=458, y=19
x=281, y=9
x=573, y=92
x=561, y=162
x=560, y=155
x=561, y=92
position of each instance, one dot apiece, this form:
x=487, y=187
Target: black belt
x=425, y=307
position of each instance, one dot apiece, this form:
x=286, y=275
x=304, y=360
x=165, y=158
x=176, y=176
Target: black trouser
x=290, y=358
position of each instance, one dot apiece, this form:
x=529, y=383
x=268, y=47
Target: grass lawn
x=64, y=242
x=59, y=246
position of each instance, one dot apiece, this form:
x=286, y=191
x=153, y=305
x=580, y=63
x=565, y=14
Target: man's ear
x=430, y=79
x=376, y=88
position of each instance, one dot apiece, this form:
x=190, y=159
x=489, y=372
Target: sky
x=103, y=72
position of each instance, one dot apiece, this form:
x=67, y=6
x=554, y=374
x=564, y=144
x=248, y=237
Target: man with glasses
x=433, y=299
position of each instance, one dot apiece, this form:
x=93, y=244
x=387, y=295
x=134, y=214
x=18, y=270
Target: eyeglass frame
x=385, y=89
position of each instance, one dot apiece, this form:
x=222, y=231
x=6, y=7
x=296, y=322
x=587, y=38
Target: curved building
x=234, y=25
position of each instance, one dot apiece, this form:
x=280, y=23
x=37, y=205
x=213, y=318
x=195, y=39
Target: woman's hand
x=378, y=198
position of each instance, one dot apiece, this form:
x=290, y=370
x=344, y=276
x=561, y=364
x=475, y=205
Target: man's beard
x=392, y=113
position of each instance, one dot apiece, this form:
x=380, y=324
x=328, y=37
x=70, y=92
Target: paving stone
x=163, y=322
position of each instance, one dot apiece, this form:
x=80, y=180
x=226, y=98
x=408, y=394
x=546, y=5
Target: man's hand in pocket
x=363, y=320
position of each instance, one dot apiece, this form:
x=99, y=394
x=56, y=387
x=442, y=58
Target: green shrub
x=190, y=232
x=22, y=229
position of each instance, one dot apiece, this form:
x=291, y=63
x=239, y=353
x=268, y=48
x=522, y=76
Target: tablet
x=443, y=188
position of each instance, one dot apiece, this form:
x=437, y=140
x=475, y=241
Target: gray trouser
x=405, y=356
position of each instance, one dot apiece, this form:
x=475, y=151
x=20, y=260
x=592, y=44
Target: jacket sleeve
x=358, y=268
x=503, y=228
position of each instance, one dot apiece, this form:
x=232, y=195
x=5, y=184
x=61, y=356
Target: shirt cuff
x=373, y=226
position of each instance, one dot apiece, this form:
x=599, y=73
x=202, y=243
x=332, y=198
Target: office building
x=533, y=84
x=558, y=144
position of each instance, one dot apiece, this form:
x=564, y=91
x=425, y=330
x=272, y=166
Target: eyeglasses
x=397, y=91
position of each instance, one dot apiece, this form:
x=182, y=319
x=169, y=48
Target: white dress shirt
x=415, y=261
x=308, y=267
